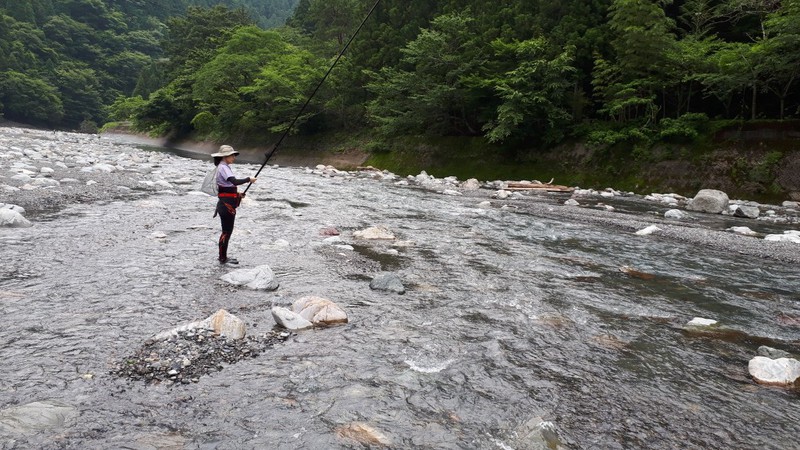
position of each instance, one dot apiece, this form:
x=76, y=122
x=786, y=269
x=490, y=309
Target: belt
x=228, y=195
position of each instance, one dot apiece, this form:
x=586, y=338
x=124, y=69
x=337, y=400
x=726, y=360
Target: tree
x=629, y=83
x=193, y=39
x=782, y=51
x=431, y=93
x=253, y=82
x=29, y=100
x=532, y=93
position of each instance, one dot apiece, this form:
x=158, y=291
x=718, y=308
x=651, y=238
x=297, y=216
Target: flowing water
x=509, y=319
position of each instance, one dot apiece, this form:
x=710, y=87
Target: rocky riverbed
x=515, y=319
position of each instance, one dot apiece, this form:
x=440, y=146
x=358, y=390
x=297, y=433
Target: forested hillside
x=521, y=73
x=63, y=62
x=531, y=72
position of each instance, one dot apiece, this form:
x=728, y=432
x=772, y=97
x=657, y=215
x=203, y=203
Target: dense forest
x=530, y=72
x=63, y=62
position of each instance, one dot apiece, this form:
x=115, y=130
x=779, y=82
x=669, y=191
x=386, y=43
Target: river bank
x=759, y=162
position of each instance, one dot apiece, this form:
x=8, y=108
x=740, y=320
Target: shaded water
x=508, y=317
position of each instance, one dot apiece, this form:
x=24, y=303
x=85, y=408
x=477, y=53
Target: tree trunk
x=753, y=103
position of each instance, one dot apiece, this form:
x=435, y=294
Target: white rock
x=108, y=168
x=13, y=219
x=709, y=201
x=571, y=202
x=648, y=230
x=701, y=322
x=501, y=194
x=676, y=214
x=743, y=231
x=375, y=233
x=290, y=319
x=781, y=371
x=261, y=278
x=786, y=237
x=451, y=192
x=221, y=322
x=485, y=205
x=319, y=310
x=471, y=184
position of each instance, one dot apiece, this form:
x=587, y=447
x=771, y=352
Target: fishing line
x=299, y=113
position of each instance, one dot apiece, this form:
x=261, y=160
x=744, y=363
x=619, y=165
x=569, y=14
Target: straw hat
x=225, y=150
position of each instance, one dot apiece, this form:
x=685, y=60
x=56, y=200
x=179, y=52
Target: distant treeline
x=532, y=73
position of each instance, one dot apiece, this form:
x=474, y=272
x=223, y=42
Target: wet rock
x=471, y=185
x=364, y=434
x=745, y=231
x=221, y=323
x=10, y=218
x=709, y=201
x=387, y=281
x=36, y=417
x=190, y=354
x=781, y=371
x=634, y=273
x=319, y=310
x=749, y=212
x=16, y=208
x=501, y=194
x=259, y=278
x=536, y=434
x=375, y=233
x=701, y=323
x=772, y=353
x=290, y=319
x=787, y=236
x=676, y=214
x=648, y=230
x=329, y=231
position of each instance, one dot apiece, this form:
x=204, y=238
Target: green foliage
x=29, y=100
x=435, y=91
x=764, y=171
x=684, y=129
x=125, y=108
x=532, y=94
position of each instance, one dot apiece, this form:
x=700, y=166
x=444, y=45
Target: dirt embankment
x=294, y=152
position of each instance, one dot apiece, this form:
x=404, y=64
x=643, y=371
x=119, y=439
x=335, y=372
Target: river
x=517, y=329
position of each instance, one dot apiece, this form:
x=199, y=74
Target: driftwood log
x=547, y=187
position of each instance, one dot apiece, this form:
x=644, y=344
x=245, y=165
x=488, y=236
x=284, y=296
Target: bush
x=683, y=130
x=88, y=126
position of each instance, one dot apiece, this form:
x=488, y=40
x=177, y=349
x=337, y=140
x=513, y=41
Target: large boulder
x=319, y=311
x=709, y=201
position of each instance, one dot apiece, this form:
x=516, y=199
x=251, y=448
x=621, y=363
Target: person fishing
x=228, y=197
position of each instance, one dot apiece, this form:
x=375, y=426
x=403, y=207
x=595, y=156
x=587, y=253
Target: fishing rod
x=299, y=113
